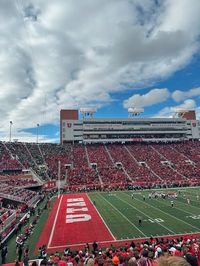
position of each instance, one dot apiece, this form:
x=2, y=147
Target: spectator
x=4, y=252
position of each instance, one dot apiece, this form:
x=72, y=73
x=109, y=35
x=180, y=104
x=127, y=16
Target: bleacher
x=99, y=163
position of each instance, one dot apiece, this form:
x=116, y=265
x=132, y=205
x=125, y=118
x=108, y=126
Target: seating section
x=112, y=175
x=5, y=214
x=180, y=162
x=17, y=194
x=98, y=154
x=21, y=153
x=100, y=164
x=7, y=161
x=18, y=180
x=35, y=153
x=52, y=154
x=148, y=154
x=82, y=177
x=136, y=171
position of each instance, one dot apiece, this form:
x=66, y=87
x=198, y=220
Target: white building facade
x=93, y=130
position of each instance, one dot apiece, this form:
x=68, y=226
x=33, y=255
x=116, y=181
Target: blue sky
x=109, y=54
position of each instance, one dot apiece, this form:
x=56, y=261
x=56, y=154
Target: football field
x=121, y=212
x=114, y=217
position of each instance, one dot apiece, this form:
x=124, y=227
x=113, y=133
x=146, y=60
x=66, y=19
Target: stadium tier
x=95, y=130
x=99, y=165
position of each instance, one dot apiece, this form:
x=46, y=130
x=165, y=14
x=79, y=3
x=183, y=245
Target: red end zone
x=73, y=221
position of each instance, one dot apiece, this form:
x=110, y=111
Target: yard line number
x=156, y=220
x=195, y=217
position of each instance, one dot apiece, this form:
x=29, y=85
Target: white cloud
x=21, y=136
x=152, y=97
x=168, y=111
x=60, y=54
x=179, y=95
x=188, y=104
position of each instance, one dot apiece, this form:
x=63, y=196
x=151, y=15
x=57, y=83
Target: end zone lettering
x=78, y=217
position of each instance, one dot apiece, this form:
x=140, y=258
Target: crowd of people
x=18, y=194
x=7, y=161
x=18, y=180
x=5, y=213
x=140, y=162
x=184, y=251
x=22, y=228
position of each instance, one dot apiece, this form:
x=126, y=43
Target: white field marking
x=125, y=239
x=170, y=215
x=178, y=202
x=123, y=215
x=193, y=195
x=147, y=215
x=154, y=189
x=191, y=204
x=102, y=218
x=55, y=220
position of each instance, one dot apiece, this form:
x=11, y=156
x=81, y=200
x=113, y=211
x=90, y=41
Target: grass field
x=121, y=213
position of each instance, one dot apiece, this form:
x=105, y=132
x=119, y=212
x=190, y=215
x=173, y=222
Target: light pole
x=10, y=130
x=59, y=168
x=37, y=131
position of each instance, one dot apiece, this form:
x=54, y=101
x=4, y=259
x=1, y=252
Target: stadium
x=99, y=133
x=108, y=182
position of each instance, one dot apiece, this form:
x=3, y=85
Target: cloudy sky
x=111, y=54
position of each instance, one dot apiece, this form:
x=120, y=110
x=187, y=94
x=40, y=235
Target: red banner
x=49, y=185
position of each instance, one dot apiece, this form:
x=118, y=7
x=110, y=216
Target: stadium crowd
x=18, y=180
x=152, y=252
x=18, y=194
x=140, y=162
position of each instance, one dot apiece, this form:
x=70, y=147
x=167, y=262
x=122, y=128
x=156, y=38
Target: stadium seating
x=141, y=163
x=136, y=171
x=18, y=180
x=148, y=154
x=7, y=161
x=18, y=194
x=52, y=154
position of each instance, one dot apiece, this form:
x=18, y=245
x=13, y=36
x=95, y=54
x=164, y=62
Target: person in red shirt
x=62, y=262
x=56, y=259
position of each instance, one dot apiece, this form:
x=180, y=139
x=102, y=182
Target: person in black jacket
x=20, y=252
x=4, y=252
x=94, y=245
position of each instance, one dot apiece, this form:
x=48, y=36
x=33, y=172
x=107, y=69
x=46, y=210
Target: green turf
x=121, y=213
x=33, y=239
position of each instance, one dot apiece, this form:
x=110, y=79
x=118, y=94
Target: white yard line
x=169, y=214
x=123, y=215
x=101, y=218
x=145, y=215
x=54, y=224
x=121, y=240
x=190, y=204
x=179, y=202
